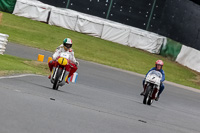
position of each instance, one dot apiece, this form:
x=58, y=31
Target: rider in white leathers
x=65, y=47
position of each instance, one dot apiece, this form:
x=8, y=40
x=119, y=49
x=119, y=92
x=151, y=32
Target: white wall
x=91, y=25
x=189, y=57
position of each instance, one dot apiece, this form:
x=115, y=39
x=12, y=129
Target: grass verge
x=14, y=65
x=36, y=34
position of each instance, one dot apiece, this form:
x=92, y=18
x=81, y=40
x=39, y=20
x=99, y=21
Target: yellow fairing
x=62, y=61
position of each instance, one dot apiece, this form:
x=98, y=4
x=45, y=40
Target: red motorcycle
x=60, y=71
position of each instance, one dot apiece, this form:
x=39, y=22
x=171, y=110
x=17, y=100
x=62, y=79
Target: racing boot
x=49, y=76
x=142, y=94
x=157, y=98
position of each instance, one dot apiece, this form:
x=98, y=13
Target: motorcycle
x=152, y=84
x=59, y=74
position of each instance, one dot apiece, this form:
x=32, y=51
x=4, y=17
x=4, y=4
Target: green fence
x=171, y=49
x=7, y=5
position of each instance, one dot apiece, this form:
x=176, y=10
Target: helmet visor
x=67, y=45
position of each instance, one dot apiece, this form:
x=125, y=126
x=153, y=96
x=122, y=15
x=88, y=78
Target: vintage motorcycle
x=61, y=70
x=152, y=84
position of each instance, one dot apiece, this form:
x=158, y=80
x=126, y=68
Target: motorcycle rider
x=158, y=67
x=65, y=47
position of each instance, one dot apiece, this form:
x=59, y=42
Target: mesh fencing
x=175, y=19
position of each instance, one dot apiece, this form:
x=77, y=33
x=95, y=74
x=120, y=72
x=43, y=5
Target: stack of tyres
x=3, y=42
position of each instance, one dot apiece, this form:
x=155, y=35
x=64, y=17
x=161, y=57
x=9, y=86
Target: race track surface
x=104, y=100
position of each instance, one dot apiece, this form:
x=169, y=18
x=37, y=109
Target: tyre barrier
x=3, y=42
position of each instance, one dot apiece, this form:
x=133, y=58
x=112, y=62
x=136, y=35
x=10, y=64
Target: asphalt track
x=104, y=100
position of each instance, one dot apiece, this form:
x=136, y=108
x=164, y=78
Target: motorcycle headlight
x=62, y=61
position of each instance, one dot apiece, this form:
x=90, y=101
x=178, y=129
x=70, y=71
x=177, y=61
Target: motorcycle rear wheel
x=56, y=81
x=147, y=95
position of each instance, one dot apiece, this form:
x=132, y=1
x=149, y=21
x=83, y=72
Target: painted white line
x=17, y=90
x=17, y=76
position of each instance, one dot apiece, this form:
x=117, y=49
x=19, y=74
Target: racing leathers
x=162, y=80
x=72, y=60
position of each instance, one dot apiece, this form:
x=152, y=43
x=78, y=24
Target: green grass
x=36, y=34
x=14, y=65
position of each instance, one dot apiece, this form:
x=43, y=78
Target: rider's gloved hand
x=56, y=58
x=77, y=63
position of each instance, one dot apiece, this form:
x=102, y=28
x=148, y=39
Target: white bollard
x=3, y=42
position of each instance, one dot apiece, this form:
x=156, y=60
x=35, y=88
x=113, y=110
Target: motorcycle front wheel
x=150, y=101
x=56, y=81
x=147, y=95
